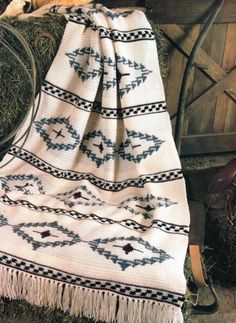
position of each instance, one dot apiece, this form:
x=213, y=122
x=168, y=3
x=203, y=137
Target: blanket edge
x=101, y=305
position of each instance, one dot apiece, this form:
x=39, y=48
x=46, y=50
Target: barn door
x=210, y=120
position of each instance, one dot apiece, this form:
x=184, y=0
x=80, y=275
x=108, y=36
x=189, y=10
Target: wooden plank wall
x=210, y=122
x=178, y=11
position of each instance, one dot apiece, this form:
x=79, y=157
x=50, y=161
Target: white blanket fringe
x=81, y=301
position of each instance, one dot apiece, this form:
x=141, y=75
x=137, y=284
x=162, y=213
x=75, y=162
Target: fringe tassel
x=80, y=301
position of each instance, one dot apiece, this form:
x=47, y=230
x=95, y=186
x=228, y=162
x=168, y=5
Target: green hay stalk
x=44, y=36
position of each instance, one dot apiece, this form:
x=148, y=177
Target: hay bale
x=221, y=251
x=44, y=36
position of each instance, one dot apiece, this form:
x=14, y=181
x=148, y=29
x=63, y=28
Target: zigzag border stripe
x=96, y=107
x=161, y=177
x=113, y=34
x=129, y=224
x=135, y=291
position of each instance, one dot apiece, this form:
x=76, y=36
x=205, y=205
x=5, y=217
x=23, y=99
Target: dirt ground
x=226, y=313
x=227, y=309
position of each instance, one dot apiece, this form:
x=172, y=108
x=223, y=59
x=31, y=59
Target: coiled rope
x=33, y=106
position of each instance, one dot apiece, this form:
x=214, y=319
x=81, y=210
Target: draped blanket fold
x=93, y=212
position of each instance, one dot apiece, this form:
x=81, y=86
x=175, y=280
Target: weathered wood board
x=211, y=102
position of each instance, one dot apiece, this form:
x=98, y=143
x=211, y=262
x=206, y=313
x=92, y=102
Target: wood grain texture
x=198, y=121
x=211, y=107
x=218, y=51
x=229, y=63
x=185, y=43
x=190, y=11
x=175, y=75
x=215, y=50
x=193, y=32
x=230, y=119
x=221, y=86
x=224, y=107
x=198, y=87
x=208, y=143
x=220, y=113
x=122, y=3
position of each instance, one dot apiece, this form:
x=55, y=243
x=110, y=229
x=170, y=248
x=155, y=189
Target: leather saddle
x=211, y=192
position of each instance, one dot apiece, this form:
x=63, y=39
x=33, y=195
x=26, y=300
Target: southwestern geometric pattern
x=96, y=107
x=114, y=15
x=109, y=14
x=82, y=67
x=73, y=10
x=148, y=253
x=145, y=205
x=127, y=223
x=114, y=34
x=141, y=73
x=36, y=234
x=80, y=195
x=27, y=184
x=106, y=149
x=57, y=133
x=160, y=177
x=81, y=59
x=135, y=152
x=95, y=145
x=135, y=205
x=123, y=289
x=51, y=234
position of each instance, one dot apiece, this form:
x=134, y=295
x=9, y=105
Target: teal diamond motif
x=145, y=205
x=78, y=60
x=138, y=71
x=27, y=184
x=111, y=14
x=90, y=64
x=58, y=133
x=97, y=147
x=46, y=234
x=129, y=252
x=138, y=146
x=81, y=195
x=3, y=221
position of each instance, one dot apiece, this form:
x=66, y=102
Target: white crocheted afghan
x=93, y=212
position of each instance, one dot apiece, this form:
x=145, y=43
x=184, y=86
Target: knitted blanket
x=93, y=211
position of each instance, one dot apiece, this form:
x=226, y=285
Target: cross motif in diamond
x=45, y=234
x=119, y=75
x=23, y=186
x=58, y=133
x=147, y=208
x=135, y=146
x=128, y=248
x=78, y=195
x=100, y=147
